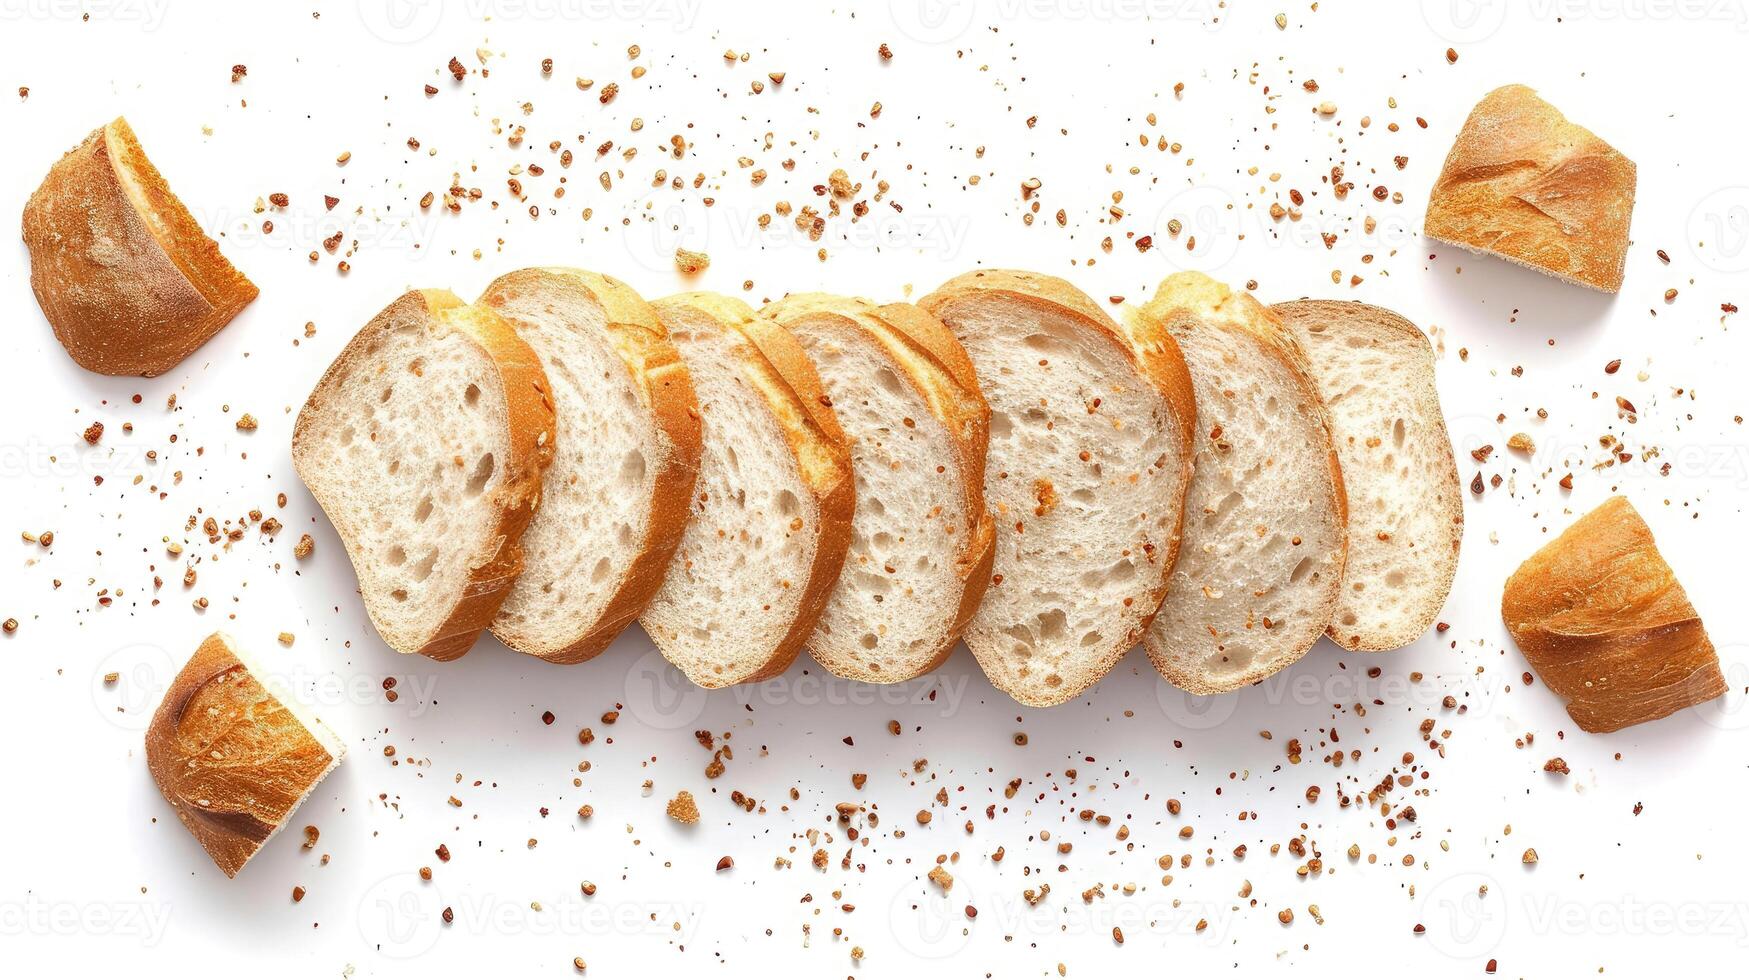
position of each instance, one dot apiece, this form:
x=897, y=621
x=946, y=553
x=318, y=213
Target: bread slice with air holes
x=424, y=443
x=1090, y=429
x=1265, y=527
x=770, y=517
x=922, y=543
x=615, y=500
x=1405, y=503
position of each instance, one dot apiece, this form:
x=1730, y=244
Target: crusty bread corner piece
x=234, y=758
x=1603, y=621
x=425, y=442
x=1266, y=523
x=770, y=517
x=615, y=500
x=922, y=545
x=124, y=274
x=1090, y=455
x=1405, y=503
x=1523, y=183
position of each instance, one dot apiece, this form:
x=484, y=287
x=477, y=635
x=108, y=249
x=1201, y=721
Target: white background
x=96, y=874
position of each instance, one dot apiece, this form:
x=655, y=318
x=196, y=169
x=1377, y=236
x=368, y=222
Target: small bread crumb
x=683, y=808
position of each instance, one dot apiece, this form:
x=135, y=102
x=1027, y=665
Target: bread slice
x=771, y=513
x=424, y=443
x=1405, y=504
x=1523, y=183
x=922, y=543
x=615, y=500
x=1265, y=529
x=124, y=274
x=234, y=758
x=1090, y=455
x=1602, y=618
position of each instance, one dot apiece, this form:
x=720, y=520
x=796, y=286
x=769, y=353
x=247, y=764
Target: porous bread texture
x=233, y=755
x=613, y=504
x=123, y=272
x=424, y=443
x=1524, y=183
x=766, y=534
x=921, y=542
x=1088, y=462
x=1260, y=568
x=1405, y=502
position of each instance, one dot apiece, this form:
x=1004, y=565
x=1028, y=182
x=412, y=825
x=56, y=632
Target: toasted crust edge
x=141, y=316
x=641, y=341
x=1597, y=257
x=925, y=353
x=230, y=831
x=529, y=413
x=1261, y=324
x=1447, y=485
x=786, y=377
x=1601, y=617
x=1157, y=360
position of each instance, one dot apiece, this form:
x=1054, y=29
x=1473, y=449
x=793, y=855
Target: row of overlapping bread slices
x=1001, y=462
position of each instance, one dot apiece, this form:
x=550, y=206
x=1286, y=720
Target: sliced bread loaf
x=615, y=499
x=1090, y=430
x=770, y=517
x=1265, y=528
x=1405, y=504
x=424, y=443
x=922, y=543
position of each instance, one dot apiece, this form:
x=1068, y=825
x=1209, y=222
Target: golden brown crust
x=641, y=341
x=1601, y=617
x=776, y=365
x=529, y=409
x=231, y=759
x=1447, y=493
x=1523, y=183
x=1215, y=305
x=931, y=360
x=124, y=274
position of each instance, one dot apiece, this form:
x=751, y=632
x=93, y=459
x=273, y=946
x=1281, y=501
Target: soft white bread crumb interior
x=1084, y=479
x=892, y=615
x=735, y=587
x=403, y=445
x=1405, y=502
x=1261, y=558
